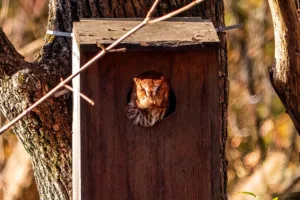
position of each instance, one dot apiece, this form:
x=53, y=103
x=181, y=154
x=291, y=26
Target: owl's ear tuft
x=136, y=80
x=162, y=78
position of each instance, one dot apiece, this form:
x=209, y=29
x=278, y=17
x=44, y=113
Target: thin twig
x=118, y=50
x=69, y=88
x=150, y=13
x=176, y=12
x=90, y=101
x=111, y=51
x=100, y=55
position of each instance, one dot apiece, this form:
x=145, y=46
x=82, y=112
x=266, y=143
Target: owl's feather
x=149, y=99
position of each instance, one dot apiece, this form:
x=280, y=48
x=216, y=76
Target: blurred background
x=262, y=146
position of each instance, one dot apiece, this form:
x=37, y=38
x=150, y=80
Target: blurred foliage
x=262, y=146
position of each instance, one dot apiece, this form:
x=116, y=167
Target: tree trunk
x=286, y=70
x=46, y=131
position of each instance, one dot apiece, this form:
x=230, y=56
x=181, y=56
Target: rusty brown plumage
x=149, y=99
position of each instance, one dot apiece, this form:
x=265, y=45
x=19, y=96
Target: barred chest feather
x=144, y=117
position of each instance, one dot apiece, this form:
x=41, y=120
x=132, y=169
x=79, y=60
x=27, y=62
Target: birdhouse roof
x=177, y=33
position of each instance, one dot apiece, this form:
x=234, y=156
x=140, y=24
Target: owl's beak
x=151, y=101
x=150, y=94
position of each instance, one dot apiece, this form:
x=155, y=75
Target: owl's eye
x=158, y=87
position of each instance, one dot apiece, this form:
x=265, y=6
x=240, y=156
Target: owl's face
x=151, y=92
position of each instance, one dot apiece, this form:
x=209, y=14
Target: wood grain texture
x=176, y=159
x=181, y=33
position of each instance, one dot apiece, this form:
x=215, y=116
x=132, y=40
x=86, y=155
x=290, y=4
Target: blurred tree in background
x=262, y=146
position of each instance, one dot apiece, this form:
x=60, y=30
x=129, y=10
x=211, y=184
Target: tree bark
x=285, y=73
x=46, y=131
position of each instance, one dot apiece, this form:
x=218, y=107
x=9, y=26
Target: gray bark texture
x=46, y=131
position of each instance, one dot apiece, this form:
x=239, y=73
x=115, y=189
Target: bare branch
x=118, y=50
x=149, y=15
x=100, y=55
x=176, y=12
x=90, y=101
x=111, y=51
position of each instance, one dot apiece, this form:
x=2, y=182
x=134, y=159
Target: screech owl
x=149, y=100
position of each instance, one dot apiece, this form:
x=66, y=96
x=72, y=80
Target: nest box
x=177, y=158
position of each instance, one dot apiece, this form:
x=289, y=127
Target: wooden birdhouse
x=177, y=157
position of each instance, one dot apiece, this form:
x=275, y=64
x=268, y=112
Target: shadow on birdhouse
x=173, y=72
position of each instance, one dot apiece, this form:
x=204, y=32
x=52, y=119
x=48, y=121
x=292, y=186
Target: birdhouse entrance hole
x=150, y=99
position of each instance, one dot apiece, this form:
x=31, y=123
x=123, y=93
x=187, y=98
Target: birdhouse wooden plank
x=178, y=156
